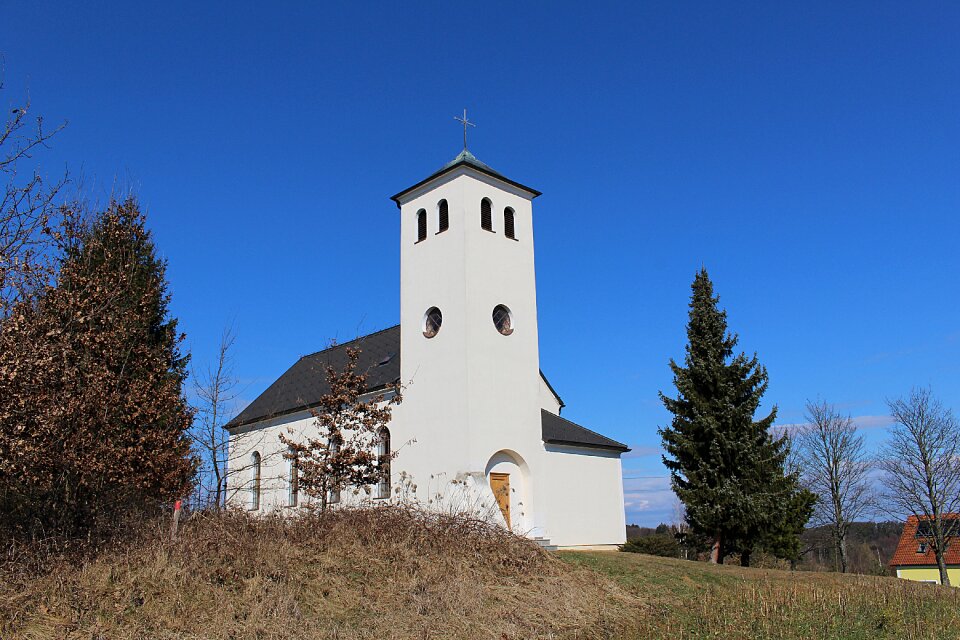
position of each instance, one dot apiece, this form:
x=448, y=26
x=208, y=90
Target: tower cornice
x=467, y=160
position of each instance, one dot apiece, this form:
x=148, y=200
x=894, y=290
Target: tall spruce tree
x=725, y=466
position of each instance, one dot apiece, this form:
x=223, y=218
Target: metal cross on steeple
x=466, y=123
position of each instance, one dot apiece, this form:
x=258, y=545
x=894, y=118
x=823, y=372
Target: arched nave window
x=384, y=453
x=255, y=468
x=294, y=496
x=333, y=496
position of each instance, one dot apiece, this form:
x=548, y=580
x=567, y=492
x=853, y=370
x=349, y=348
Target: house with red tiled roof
x=914, y=558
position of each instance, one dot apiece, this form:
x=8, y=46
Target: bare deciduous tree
x=216, y=390
x=836, y=467
x=350, y=424
x=921, y=464
x=27, y=207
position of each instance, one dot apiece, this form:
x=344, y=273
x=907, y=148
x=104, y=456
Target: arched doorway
x=508, y=479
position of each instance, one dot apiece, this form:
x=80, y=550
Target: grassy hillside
x=396, y=573
x=381, y=573
x=697, y=600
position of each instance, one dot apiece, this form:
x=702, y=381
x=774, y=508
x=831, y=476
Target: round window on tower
x=432, y=320
x=503, y=319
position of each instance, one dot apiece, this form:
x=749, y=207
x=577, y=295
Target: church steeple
x=468, y=312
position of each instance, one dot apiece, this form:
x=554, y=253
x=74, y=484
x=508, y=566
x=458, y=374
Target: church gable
x=302, y=385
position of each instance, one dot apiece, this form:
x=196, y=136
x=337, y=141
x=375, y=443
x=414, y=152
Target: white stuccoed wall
x=585, y=503
x=472, y=392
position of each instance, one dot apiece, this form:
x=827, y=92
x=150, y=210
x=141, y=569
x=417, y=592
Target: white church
x=479, y=424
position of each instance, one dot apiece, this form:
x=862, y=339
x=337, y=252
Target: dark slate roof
x=465, y=158
x=303, y=383
x=557, y=430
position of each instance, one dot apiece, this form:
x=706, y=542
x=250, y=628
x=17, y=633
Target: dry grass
x=400, y=573
x=697, y=600
x=376, y=573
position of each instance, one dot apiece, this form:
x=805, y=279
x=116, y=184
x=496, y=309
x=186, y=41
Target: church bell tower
x=468, y=320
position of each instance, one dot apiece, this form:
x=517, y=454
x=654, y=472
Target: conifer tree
x=93, y=420
x=779, y=533
x=725, y=466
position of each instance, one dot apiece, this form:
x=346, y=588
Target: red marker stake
x=176, y=519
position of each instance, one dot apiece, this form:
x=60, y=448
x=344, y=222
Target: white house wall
x=580, y=500
x=585, y=504
x=264, y=438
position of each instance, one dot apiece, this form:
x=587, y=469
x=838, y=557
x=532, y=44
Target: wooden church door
x=500, y=483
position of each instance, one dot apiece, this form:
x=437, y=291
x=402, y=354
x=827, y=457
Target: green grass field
x=686, y=599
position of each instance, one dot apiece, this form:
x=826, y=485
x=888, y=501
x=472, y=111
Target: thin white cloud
x=789, y=427
x=646, y=482
x=647, y=496
x=649, y=506
x=862, y=422
x=871, y=422
x=639, y=451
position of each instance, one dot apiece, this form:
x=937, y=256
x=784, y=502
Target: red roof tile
x=906, y=554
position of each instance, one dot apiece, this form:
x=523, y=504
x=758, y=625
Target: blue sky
x=808, y=154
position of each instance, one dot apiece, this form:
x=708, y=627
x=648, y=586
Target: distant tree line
x=870, y=546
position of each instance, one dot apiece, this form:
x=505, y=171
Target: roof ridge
x=343, y=344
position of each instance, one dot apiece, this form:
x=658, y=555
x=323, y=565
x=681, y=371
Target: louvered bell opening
x=444, y=216
x=508, y=223
x=486, y=215
x=421, y=225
